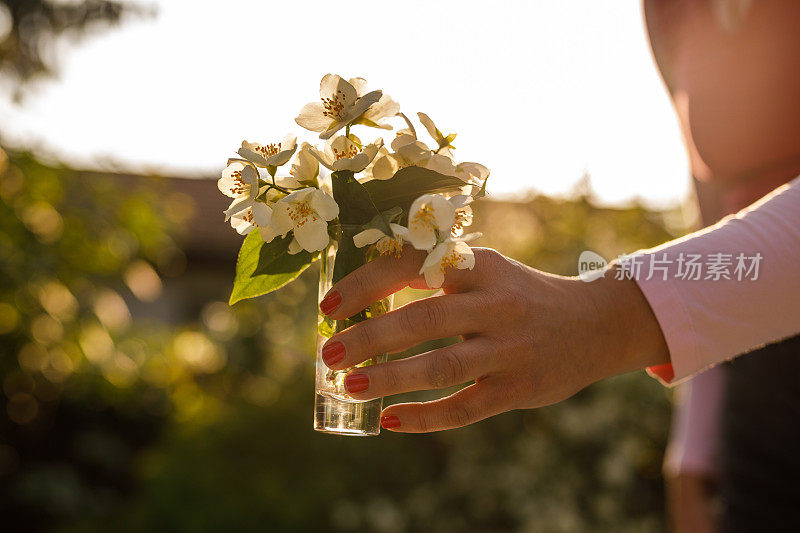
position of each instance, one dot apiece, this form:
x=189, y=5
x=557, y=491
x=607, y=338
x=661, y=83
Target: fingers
x=423, y=320
x=387, y=275
x=469, y=405
x=445, y=367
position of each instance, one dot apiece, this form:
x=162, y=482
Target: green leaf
x=379, y=221
x=407, y=185
x=264, y=267
x=356, y=206
x=348, y=257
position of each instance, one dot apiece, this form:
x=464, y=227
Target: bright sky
x=539, y=91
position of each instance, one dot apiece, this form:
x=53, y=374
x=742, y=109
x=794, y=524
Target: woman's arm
x=728, y=310
x=532, y=338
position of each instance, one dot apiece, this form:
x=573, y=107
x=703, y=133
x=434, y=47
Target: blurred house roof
x=206, y=236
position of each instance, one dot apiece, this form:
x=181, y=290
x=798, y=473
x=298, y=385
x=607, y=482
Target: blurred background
x=134, y=396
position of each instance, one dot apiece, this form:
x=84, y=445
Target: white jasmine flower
x=408, y=151
x=385, y=244
x=305, y=168
x=343, y=153
x=340, y=105
x=448, y=254
x=270, y=155
x=429, y=213
x=255, y=215
x=306, y=212
x=239, y=180
x=471, y=173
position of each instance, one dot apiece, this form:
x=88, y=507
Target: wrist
x=631, y=338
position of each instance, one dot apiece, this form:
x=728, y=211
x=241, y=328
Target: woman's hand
x=529, y=338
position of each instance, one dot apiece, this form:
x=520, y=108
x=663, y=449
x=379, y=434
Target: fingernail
x=390, y=422
x=333, y=353
x=356, y=382
x=329, y=304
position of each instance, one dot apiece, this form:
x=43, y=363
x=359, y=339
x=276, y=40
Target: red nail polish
x=329, y=304
x=356, y=382
x=390, y=422
x=333, y=353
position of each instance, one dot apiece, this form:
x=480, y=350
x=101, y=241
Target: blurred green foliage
x=118, y=415
x=29, y=28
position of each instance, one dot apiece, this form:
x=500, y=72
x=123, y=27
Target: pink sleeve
x=694, y=438
x=727, y=289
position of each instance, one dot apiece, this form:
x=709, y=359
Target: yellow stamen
x=301, y=212
x=453, y=259
x=238, y=187
x=268, y=150
x=424, y=218
x=350, y=152
x=334, y=106
x=390, y=246
x=462, y=219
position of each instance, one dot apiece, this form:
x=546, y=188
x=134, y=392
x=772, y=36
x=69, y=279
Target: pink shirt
x=748, y=291
x=713, y=323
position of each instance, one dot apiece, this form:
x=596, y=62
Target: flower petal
x=306, y=166
x=385, y=167
x=421, y=237
x=281, y=222
x=443, y=212
x=360, y=85
x=399, y=231
x=241, y=226
x=248, y=152
x=466, y=255
x=434, y=277
x=322, y=157
x=441, y=164
x=297, y=196
x=371, y=150
x=362, y=104
x=333, y=127
x=287, y=182
x=312, y=117
x=383, y=108
x=237, y=206
x=294, y=247
x=262, y=214
x=341, y=86
x=431, y=127
x=367, y=237
x=313, y=235
x=324, y=204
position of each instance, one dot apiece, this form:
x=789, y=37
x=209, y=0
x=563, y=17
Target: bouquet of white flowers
x=371, y=201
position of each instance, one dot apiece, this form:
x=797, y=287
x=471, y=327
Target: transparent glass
x=334, y=410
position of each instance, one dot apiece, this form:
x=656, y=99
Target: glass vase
x=335, y=411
